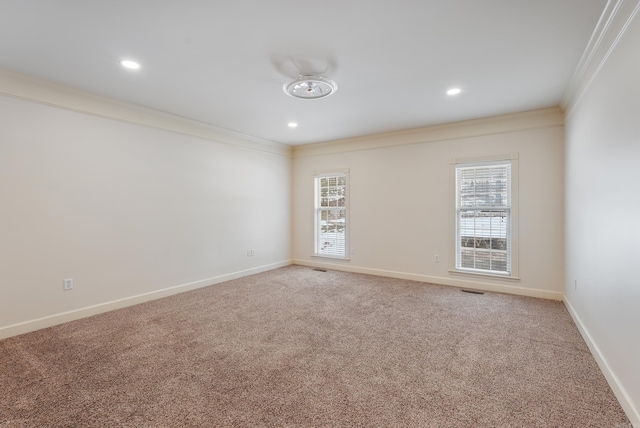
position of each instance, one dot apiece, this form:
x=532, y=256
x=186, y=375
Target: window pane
x=466, y=259
x=499, y=260
x=482, y=260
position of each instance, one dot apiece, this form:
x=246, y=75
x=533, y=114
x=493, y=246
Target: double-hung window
x=331, y=225
x=484, y=217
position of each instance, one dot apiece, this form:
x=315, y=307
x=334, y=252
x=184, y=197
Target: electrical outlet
x=436, y=258
x=353, y=251
x=253, y=252
x=67, y=284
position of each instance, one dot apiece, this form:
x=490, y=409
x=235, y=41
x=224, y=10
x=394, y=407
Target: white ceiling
x=223, y=62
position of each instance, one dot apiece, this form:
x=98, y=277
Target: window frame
x=317, y=209
x=513, y=160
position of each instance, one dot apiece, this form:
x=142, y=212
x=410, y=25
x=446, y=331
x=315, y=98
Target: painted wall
x=603, y=209
x=401, y=205
x=126, y=209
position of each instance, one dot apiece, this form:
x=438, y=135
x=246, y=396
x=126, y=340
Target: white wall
x=124, y=210
x=603, y=209
x=401, y=202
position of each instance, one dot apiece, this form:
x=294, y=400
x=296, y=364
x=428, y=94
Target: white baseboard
x=616, y=386
x=51, y=320
x=454, y=282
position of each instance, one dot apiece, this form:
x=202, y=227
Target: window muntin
x=483, y=217
x=331, y=215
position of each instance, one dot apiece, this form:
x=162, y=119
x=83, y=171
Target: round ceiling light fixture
x=310, y=87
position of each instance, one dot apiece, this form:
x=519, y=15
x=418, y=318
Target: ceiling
x=223, y=62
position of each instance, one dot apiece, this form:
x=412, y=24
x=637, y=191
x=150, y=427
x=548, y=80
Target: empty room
x=410, y=213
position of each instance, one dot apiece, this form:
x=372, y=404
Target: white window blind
x=483, y=217
x=331, y=215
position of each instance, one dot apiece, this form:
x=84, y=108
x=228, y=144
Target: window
x=484, y=217
x=331, y=215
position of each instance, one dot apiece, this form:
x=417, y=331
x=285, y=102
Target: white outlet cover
x=67, y=284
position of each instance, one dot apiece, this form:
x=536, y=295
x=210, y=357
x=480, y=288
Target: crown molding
x=613, y=23
x=543, y=118
x=28, y=88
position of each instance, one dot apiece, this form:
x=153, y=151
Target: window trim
x=513, y=158
x=331, y=173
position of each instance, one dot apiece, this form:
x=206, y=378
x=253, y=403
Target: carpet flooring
x=299, y=347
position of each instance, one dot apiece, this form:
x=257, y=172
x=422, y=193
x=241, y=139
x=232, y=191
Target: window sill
x=482, y=274
x=337, y=258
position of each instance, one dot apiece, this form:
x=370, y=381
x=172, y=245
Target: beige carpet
x=298, y=347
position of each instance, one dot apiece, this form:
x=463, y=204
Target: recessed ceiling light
x=132, y=65
x=454, y=91
x=292, y=124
